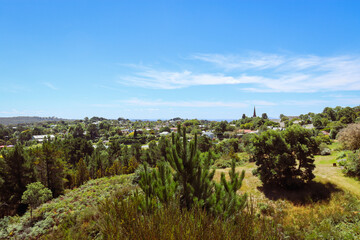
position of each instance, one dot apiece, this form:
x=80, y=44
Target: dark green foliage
x=147, y=184
x=285, y=158
x=17, y=173
x=193, y=174
x=204, y=143
x=49, y=166
x=92, y=132
x=165, y=129
x=157, y=184
x=302, y=147
x=352, y=164
x=82, y=173
x=76, y=148
x=35, y=194
x=225, y=201
x=153, y=154
x=163, y=144
x=276, y=164
x=77, y=131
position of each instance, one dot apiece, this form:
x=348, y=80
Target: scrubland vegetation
x=117, y=179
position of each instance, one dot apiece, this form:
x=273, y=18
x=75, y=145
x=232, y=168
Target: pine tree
x=165, y=186
x=18, y=174
x=82, y=173
x=53, y=167
x=193, y=174
x=191, y=179
x=157, y=184
x=147, y=183
x=225, y=201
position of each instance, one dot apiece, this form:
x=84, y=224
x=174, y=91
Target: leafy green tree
x=220, y=128
x=264, y=116
x=330, y=113
x=346, y=115
x=165, y=129
x=285, y=158
x=35, y=194
x=204, y=143
x=92, y=132
x=352, y=164
x=77, y=131
x=272, y=155
x=76, y=148
x=302, y=146
x=25, y=136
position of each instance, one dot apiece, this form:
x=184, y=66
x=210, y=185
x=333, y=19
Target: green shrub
x=352, y=164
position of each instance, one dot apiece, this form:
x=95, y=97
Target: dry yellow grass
x=324, y=172
x=250, y=182
x=328, y=173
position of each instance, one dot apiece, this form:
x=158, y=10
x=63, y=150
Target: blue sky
x=164, y=59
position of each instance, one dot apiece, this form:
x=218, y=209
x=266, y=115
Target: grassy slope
x=71, y=204
x=335, y=217
x=324, y=172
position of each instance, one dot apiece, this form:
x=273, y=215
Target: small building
x=209, y=135
x=309, y=126
x=41, y=138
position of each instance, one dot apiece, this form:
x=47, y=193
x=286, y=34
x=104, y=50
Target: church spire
x=254, y=112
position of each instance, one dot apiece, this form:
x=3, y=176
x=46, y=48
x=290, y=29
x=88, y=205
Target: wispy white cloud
x=15, y=112
x=254, y=61
x=259, y=73
x=50, y=85
x=193, y=104
x=304, y=102
x=172, y=80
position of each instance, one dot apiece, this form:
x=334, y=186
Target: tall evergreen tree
x=18, y=173
x=193, y=174
x=82, y=173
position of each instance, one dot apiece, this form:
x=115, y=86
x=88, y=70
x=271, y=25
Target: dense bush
x=350, y=136
x=285, y=158
x=352, y=164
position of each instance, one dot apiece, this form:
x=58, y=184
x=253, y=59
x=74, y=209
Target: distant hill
x=19, y=120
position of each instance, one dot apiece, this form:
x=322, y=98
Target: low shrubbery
x=352, y=164
x=46, y=217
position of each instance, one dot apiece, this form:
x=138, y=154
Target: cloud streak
x=258, y=73
x=50, y=85
x=193, y=104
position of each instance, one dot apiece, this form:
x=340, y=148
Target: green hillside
x=72, y=204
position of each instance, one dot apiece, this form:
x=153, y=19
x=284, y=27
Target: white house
x=41, y=138
x=209, y=134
